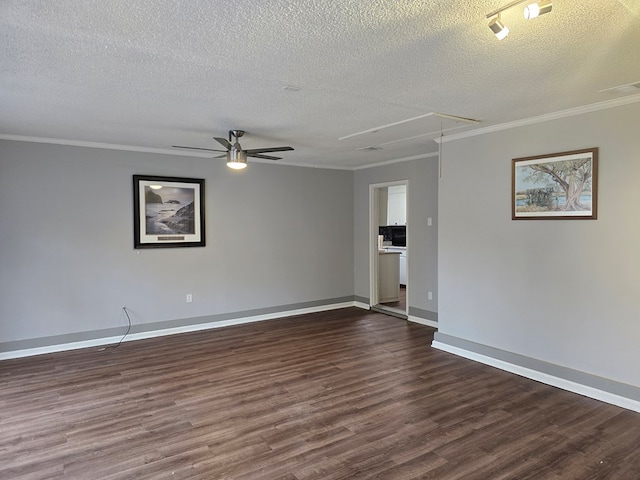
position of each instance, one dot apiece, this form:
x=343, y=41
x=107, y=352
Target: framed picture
x=168, y=212
x=556, y=186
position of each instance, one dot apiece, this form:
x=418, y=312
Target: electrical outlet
x=189, y=298
x=430, y=295
x=429, y=222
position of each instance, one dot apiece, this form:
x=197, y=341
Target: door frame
x=374, y=209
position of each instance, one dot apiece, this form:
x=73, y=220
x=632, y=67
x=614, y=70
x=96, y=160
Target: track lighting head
x=532, y=10
x=498, y=28
x=536, y=9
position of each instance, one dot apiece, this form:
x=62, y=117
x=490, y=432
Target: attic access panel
x=421, y=128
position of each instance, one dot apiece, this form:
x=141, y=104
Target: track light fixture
x=498, y=28
x=536, y=9
x=532, y=10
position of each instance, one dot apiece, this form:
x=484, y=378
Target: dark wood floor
x=337, y=395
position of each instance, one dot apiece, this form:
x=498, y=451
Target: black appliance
x=396, y=234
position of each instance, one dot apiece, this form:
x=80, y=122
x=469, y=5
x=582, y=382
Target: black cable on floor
x=128, y=328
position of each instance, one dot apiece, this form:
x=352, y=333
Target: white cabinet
x=403, y=262
x=397, y=205
x=388, y=277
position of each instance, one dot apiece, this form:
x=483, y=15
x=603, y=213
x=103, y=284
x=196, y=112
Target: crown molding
x=167, y=151
x=134, y=148
x=301, y=165
x=449, y=138
x=542, y=118
x=107, y=146
x=397, y=160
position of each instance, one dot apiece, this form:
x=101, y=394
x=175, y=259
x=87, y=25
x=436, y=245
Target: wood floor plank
x=345, y=394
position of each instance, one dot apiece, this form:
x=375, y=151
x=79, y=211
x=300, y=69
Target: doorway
x=389, y=254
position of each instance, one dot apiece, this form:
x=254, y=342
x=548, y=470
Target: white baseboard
x=101, y=342
x=410, y=318
x=554, y=381
x=423, y=321
x=31, y=352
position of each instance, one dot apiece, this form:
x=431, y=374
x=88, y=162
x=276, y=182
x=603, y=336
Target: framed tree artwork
x=556, y=186
x=168, y=212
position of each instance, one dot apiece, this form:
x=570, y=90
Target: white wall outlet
x=189, y=298
x=429, y=221
x=430, y=295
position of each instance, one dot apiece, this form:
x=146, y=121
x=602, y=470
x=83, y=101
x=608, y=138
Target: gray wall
x=422, y=203
x=277, y=236
x=566, y=292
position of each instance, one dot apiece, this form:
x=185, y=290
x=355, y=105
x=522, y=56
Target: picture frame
x=557, y=186
x=168, y=212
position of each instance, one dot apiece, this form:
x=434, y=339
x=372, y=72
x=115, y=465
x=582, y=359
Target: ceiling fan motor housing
x=236, y=154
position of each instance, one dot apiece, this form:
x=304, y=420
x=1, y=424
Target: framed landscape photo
x=556, y=186
x=168, y=212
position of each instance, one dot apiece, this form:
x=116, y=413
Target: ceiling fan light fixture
x=499, y=29
x=236, y=156
x=236, y=159
x=536, y=9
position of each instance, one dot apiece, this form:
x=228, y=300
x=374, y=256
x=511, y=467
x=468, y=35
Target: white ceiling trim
x=541, y=118
x=133, y=148
x=165, y=151
x=304, y=165
x=469, y=133
x=107, y=146
x=397, y=160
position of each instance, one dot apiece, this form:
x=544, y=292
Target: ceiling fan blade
x=272, y=149
x=267, y=157
x=220, y=156
x=224, y=142
x=197, y=148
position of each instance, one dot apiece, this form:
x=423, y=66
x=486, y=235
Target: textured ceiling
x=152, y=73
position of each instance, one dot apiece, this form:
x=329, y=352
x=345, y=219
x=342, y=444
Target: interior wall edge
x=422, y=321
x=361, y=299
x=416, y=315
x=424, y=314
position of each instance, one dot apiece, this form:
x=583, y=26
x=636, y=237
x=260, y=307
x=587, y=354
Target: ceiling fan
x=236, y=156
